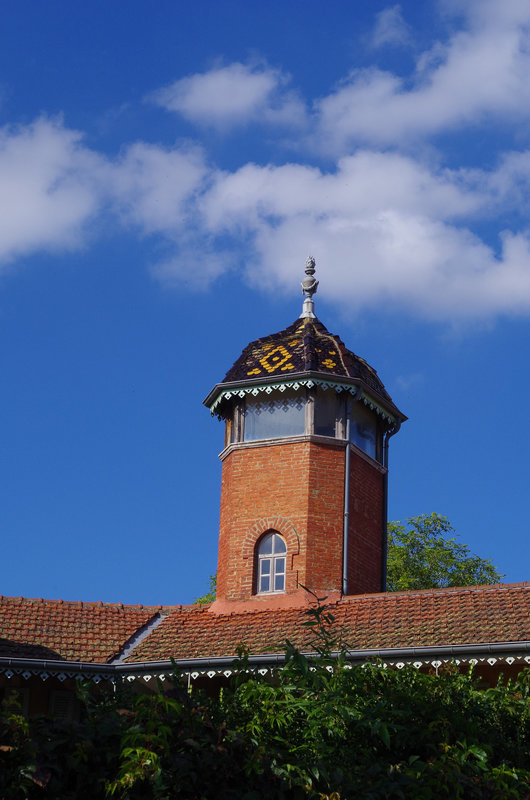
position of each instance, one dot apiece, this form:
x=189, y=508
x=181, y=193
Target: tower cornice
x=354, y=386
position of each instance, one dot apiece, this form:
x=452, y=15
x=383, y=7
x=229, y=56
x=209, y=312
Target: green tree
x=422, y=554
x=209, y=597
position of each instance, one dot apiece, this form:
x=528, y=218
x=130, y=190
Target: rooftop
x=98, y=632
x=54, y=629
x=391, y=620
x=304, y=348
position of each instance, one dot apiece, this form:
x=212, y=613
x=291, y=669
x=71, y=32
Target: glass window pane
x=265, y=546
x=271, y=563
x=363, y=429
x=272, y=417
x=325, y=412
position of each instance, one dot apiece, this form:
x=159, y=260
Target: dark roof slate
x=305, y=346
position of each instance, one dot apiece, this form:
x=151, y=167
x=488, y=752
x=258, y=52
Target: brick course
x=297, y=488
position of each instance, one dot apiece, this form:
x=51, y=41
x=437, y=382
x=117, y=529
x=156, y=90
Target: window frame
x=235, y=422
x=274, y=557
x=364, y=415
x=288, y=398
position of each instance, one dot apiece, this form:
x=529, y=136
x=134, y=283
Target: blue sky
x=165, y=169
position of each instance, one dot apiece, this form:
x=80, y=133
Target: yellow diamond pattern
x=277, y=358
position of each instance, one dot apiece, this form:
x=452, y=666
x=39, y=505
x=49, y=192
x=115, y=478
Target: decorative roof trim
x=44, y=669
x=489, y=653
x=354, y=389
x=375, y=406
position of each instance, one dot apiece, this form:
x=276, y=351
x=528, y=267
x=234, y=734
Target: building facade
x=303, y=517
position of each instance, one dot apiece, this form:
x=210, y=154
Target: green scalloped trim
x=281, y=386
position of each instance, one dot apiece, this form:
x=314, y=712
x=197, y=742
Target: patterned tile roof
x=53, y=629
x=469, y=615
x=96, y=632
x=305, y=346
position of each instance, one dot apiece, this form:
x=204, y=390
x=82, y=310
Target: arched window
x=271, y=552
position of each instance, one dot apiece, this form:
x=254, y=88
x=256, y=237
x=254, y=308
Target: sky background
x=165, y=169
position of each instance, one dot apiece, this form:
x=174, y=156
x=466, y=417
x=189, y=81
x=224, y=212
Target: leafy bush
x=317, y=729
x=372, y=732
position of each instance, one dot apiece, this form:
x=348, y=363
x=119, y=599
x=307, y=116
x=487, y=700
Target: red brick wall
x=365, y=536
x=297, y=488
x=324, y=524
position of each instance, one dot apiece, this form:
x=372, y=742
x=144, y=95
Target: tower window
x=274, y=417
x=363, y=429
x=271, y=553
x=325, y=413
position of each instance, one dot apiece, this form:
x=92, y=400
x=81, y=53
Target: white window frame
x=274, y=559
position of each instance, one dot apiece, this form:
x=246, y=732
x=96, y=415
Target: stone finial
x=309, y=287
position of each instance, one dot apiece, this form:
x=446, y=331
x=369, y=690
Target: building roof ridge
x=80, y=603
x=473, y=588
x=193, y=607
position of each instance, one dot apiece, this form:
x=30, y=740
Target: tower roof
x=304, y=353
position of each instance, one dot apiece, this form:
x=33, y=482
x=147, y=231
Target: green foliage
x=128, y=747
x=316, y=730
x=423, y=555
x=46, y=757
x=377, y=733
x=173, y=749
x=209, y=597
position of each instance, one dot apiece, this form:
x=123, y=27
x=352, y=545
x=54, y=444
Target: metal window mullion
x=310, y=411
x=239, y=422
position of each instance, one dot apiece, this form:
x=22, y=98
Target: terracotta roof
x=53, y=629
x=97, y=632
x=469, y=615
x=305, y=346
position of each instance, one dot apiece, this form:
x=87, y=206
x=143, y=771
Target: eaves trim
x=354, y=386
x=435, y=656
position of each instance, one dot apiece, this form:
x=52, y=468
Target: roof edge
x=361, y=388
x=426, y=654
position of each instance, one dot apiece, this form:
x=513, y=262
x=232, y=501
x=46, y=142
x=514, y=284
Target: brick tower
x=303, y=497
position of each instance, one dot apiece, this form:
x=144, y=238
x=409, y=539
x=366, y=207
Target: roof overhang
x=354, y=386
x=489, y=653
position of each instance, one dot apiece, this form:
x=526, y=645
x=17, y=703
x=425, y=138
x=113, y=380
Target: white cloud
x=481, y=72
x=363, y=185
x=387, y=231
x=196, y=266
x=49, y=188
x=153, y=187
x=390, y=28
x=233, y=95
x=394, y=261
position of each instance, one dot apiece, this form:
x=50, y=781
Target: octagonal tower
x=304, y=477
